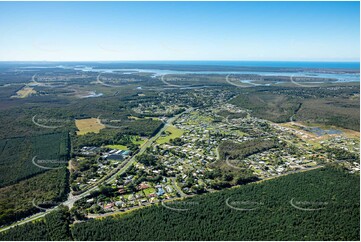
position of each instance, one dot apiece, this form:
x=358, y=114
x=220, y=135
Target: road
x=127, y=210
x=125, y=165
x=180, y=192
x=184, y=195
x=40, y=215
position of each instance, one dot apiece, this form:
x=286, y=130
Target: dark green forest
x=273, y=217
x=32, y=168
x=321, y=204
x=54, y=227
x=17, y=201
x=16, y=156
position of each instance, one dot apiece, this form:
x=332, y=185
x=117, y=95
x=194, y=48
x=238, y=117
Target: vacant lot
x=338, y=106
x=170, y=133
x=342, y=112
x=118, y=147
x=89, y=125
x=24, y=92
x=273, y=107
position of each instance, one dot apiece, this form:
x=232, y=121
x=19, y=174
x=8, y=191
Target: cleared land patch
x=89, y=125
x=119, y=147
x=24, y=92
x=138, y=141
x=170, y=133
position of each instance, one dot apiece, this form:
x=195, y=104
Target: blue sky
x=71, y=31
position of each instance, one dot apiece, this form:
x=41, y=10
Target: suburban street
x=125, y=166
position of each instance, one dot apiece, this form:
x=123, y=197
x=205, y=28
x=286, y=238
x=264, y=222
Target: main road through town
x=125, y=166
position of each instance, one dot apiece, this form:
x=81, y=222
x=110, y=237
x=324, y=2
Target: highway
x=125, y=166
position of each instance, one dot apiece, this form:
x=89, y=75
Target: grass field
x=89, y=125
x=171, y=133
x=24, y=92
x=118, y=147
x=148, y=191
x=137, y=142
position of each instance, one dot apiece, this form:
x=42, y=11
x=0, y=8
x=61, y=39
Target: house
x=143, y=186
x=122, y=191
x=119, y=203
x=108, y=206
x=160, y=191
x=169, y=189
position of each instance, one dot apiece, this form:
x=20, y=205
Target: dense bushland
x=332, y=194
